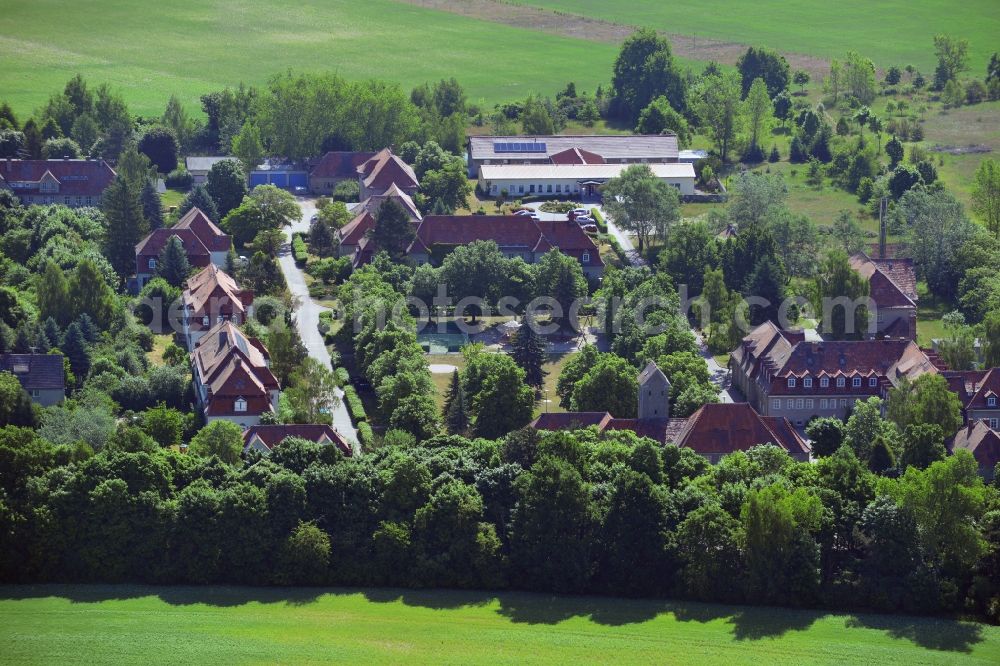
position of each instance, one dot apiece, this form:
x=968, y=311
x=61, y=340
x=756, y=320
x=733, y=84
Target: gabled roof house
x=264, y=438
x=69, y=182
x=212, y=297
x=204, y=243
x=383, y=170
x=892, y=286
x=41, y=375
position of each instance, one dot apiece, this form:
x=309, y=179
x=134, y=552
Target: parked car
x=524, y=211
x=581, y=211
x=590, y=228
x=314, y=218
x=583, y=219
x=300, y=190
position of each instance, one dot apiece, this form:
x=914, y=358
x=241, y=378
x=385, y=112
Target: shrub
x=299, y=250
x=354, y=404
x=365, y=435
x=179, y=179
x=599, y=220
x=343, y=378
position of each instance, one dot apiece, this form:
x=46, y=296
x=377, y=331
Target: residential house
x=334, y=167
x=199, y=166
x=69, y=182
x=567, y=149
x=892, y=286
x=783, y=374
x=383, y=170
x=979, y=393
x=232, y=376
x=203, y=241
x=982, y=441
x=713, y=431
x=349, y=237
x=263, y=438
x=515, y=235
x=212, y=297
x=41, y=375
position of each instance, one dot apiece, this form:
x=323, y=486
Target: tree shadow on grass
x=179, y=595
x=930, y=633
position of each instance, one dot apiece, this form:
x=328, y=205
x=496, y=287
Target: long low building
x=582, y=180
x=571, y=149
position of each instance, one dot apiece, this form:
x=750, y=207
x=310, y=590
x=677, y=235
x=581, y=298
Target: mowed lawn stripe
x=129, y=624
x=152, y=50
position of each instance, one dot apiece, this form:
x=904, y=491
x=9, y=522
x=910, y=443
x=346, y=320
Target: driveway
x=307, y=318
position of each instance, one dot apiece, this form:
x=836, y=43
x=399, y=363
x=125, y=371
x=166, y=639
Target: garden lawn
x=890, y=33
x=151, y=50
x=151, y=625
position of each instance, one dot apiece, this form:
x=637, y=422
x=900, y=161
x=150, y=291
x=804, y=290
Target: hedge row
x=365, y=435
x=343, y=378
x=354, y=405
x=299, y=250
x=602, y=224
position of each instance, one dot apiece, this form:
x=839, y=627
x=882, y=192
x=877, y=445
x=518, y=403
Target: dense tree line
x=562, y=512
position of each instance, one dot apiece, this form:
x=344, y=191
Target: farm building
x=199, y=167
x=286, y=175
x=581, y=180
x=592, y=149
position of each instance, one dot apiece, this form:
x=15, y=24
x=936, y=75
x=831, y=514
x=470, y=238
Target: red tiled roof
x=571, y=420
x=272, y=435
x=511, y=232
x=385, y=169
x=214, y=288
x=76, y=177
x=980, y=440
x=892, y=282
x=722, y=428
x=374, y=202
x=974, y=387
x=199, y=235
x=339, y=164
x=576, y=156
x=232, y=365
x=352, y=232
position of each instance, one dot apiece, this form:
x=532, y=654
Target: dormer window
x=241, y=405
x=791, y=382
x=841, y=382
x=991, y=401
x=807, y=382
x=824, y=382
x=856, y=382
x=586, y=257
x=205, y=321
x=152, y=263
x=873, y=381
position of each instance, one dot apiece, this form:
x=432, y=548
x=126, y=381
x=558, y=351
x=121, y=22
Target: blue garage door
x=298, y=179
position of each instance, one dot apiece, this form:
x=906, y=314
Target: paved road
x=719, y=375
x=307, y=318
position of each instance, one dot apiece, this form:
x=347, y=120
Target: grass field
x=188, y=47
x=143, y=625
x=892, y=32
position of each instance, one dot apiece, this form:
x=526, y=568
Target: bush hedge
x=365, y=435
x=299, y=250
x=602, y=224
x=354, y=404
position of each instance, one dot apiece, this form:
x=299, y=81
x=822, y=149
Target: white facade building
x=581, y=180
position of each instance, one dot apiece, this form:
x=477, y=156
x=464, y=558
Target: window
x=152, y=263
x=790, y=404
x=520, y=189
x=809, y=403
x=993, y=422
x=241, y=405
x=843, y=402
x=89, y=200
x=991, y=401
x=822, y=403
x=808, y=382
x=841, y=382
x=549, y=189
x=66, y=200
x=79, y=200
x=35, y=393
x=824, y=382
x=791, y=382
x=205, y=321
x=531, y=188
x=776, y=404
x=586, y=257
x=873, y=381
x=856, y=382
x=800, y=403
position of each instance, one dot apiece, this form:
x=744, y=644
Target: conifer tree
x=87, y=327
x=173, y=265
x=76, y=350
x=528, y=351
x=152, y=207
x=456, y=416
x=126, y=225
x=881, y=457
x=52, y=332
x=199, y=198
x=53, y=294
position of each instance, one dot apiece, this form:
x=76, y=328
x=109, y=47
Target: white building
x=581, y=180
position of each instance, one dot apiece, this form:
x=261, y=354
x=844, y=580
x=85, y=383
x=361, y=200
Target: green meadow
x=148, y=625
x=890, y=32
x=150, y=50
